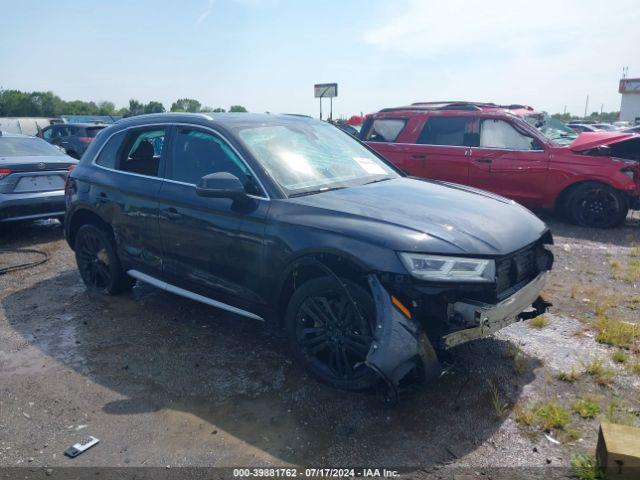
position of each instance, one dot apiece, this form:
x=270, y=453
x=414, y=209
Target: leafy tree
x=135, y=107
x=237, y=108
x=106, y=108
x=79, y=107
x=218, y=110
x=185, y=105
x=154, y=107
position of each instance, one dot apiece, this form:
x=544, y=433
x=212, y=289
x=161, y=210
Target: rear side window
x=501, y=134
x=142, y=150
x=453, y=131
x=385, y=129
x=197, y=153
x=109, y=153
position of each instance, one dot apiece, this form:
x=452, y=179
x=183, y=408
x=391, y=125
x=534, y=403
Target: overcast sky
x=267, y=54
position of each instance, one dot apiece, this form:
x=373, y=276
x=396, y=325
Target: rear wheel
x=594, y=204
x=98, y=262
x=329, y=337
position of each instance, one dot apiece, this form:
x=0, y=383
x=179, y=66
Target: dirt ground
x=161, y=380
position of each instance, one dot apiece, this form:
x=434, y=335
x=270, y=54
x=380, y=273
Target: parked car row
x=591, y=178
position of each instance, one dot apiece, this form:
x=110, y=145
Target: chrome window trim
x=437, y=145
x=175, y=124
x=507, y=149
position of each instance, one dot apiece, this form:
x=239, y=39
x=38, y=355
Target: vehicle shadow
x=181, y=360
x=26, y=234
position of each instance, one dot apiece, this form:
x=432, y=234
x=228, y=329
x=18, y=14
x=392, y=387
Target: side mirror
x=220, y=185
x=537, y=145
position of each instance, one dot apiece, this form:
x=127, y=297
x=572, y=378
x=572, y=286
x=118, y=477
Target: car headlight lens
x=435, y=267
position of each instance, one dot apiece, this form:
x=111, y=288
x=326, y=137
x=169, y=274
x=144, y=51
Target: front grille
x=514, y=270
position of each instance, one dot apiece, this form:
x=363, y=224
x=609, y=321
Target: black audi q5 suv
x=290, y=220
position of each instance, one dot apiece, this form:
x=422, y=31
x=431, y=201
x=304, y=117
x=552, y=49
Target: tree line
x=15, y=103
x=606, y=117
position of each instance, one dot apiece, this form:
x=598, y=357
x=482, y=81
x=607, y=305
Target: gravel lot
x=161, y=380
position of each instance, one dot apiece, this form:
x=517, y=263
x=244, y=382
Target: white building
x=630, y=106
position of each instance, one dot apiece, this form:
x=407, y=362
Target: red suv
x=591, y=178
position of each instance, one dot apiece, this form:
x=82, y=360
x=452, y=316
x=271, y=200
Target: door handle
x=484, y=160
x=172, y=214
x=102, y=197
x=418, y=156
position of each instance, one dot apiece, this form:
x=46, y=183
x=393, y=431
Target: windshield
x=552, y=128
x=308, y=157
x=26, y=147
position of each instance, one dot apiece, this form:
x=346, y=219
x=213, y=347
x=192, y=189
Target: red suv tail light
x=70, y=168
x=4, y=172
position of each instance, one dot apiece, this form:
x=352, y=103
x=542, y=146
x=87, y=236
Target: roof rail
x=455, y=104
x=436, y=106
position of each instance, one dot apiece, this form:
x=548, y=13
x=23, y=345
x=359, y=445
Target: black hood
x=423, y=216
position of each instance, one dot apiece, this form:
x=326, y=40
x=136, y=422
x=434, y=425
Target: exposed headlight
x=435, y=267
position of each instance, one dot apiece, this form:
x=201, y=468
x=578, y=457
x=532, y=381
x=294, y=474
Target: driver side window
x=197, y=153
x=501, y=134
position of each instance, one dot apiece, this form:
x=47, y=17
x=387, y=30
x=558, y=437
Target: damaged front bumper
x=401, y=344
x=491, y=318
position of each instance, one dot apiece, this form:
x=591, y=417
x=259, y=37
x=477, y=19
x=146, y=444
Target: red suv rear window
x=385, y=129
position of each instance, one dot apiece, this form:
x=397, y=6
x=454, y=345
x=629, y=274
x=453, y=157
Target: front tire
x=98, y=262
x=327, y=335
x=594, y=204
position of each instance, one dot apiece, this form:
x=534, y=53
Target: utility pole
x=331, y=109
x=601, y=109
x=586, y=107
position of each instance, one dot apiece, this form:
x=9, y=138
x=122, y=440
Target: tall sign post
x=326, y=90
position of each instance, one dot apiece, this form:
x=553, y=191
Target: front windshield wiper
x=313, y=192
x=377, y=180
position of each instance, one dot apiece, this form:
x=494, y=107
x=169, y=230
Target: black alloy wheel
x=98, y=263
x=331, y=336
x=597, y=205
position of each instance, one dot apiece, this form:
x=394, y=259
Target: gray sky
x=267, y=54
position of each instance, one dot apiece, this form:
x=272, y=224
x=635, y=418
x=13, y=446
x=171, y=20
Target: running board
x=193, y=296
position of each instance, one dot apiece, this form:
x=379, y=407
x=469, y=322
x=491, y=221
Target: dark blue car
x=290, y=220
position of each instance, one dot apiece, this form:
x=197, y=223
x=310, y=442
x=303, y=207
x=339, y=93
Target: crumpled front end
x=416, y=320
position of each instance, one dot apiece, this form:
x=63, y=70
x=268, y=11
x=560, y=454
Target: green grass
x=630, y=272
x=552, y=415
x=519, y=363
x=524, y=415
x=585, y=467
x=635, y=368
x=570, y=376
x=539, y=322
x=616, y=333
x=499, y=407
x=619, y=356
x=586, y=407
x=599, y=372
x=616, y=413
